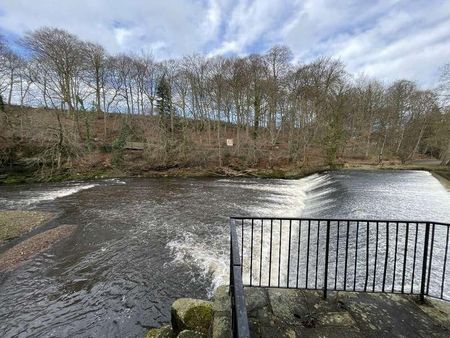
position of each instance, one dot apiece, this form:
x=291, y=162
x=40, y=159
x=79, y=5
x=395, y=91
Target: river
x=141, y=243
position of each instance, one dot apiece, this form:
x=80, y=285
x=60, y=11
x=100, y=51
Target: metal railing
x=238, y=310
x=408, y=257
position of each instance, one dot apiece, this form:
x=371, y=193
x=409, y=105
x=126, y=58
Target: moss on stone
x=191, y=314
x=161, y=332
x=190, y=334
x=152, y=333
x=199, y=318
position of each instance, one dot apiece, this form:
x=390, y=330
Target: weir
x=385, y=257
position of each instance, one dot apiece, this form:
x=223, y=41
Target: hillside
x=103, y=145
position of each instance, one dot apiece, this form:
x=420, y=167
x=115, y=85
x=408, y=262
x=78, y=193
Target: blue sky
x=383, y=39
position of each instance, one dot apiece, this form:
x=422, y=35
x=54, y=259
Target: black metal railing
x=408, y=257
x=238, y=310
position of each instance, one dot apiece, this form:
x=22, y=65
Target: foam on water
x=210, y=258
x=36, y=195
x=114, y=181
x=31, y=198
x=54, y=194
x=282, y=198
x=285, y=198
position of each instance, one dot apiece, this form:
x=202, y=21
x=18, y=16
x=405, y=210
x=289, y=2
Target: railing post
x=424, y=262
x=327, y=249
x=239, y=321
x=231, y=285
x=231, y=261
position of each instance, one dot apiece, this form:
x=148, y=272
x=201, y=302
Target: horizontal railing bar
x=335, y=220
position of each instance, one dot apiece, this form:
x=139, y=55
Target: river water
x=141, y=243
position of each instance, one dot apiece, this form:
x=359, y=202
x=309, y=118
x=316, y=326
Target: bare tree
x=62, y=53
x=277, y=111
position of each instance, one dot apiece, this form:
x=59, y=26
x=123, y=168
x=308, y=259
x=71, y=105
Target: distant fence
x=408, y=257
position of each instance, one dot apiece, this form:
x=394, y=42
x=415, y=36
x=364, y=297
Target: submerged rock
x=191, y=314
x=15, y=223
x=29, y=248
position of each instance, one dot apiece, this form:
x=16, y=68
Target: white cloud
x=118, y=25
x=386, y=39
x=121, y=34
x=254, y=23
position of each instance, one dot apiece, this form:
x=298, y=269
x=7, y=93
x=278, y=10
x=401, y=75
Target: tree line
x=271, y=106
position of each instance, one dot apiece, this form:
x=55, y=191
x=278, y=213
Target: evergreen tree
x=164, y=103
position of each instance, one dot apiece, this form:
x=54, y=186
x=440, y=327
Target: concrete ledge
x=295, y=313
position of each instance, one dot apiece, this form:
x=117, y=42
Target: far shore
x=445, y=180
x=291, y=172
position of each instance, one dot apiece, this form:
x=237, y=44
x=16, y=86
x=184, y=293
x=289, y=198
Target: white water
x=33, y=198
x=54, y=194
x=283, y=199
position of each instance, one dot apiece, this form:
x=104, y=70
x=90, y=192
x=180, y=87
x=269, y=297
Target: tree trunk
x=380, y=157
x=416, y=147
x=11, y=79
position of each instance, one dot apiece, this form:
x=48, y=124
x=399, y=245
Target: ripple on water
x=141, y=243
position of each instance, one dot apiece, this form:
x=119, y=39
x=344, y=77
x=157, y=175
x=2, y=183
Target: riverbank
x=27, y=249
x=14, y=227
x=15, y=223
x=183, y=172
x=173, y=171
x=443, y=177
x=282, y=172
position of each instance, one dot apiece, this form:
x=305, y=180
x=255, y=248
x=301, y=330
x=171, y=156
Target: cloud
x=384, y=39
x=118, y=25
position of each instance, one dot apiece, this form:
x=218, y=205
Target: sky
x=388, y=40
